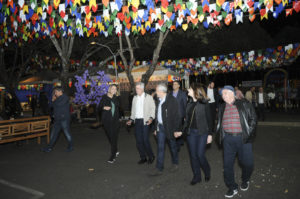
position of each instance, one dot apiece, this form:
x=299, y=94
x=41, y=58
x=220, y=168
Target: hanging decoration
x=240, y=61
x=33, y=20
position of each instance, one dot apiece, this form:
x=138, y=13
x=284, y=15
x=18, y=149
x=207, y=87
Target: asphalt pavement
x=27, y=173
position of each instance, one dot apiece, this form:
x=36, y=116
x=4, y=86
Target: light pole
x=115, y=60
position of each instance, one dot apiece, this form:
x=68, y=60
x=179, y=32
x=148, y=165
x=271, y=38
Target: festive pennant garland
x=33, y=20
x=245, y=61
x=240, y=61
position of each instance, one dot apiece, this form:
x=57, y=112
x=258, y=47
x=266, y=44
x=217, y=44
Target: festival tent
x=35, y=84
x=160, y=75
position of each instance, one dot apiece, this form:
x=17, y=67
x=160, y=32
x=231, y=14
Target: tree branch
x=70, y=46
x=151, y=69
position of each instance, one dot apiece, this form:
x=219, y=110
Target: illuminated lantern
x=70, y=84
x=35, y=86
x=19, y=87
x=86, y=84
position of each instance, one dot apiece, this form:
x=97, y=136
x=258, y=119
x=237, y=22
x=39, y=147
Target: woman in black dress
x=109, y=107
x=198, y=129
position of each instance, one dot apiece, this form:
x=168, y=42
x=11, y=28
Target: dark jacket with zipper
x=107, y=118
x=61, y=108
x=202, y=114
x=170, y=116
x=248, y=120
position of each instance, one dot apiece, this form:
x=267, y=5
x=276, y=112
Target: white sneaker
x=244, y=186
x=117, y=154
x=230, y=193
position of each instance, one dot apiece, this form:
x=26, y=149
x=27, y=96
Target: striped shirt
x=231, y=119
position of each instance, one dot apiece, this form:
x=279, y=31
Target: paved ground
x=27, y=173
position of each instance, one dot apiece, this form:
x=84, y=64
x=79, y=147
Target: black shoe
x=155, y=172
x=111, y=160
x=244, y=186
x=151, y=160
x=195, y=181
x=142, y=161
x=207, y=178
x=230, y=193
x=46, y=149
x=70, y=149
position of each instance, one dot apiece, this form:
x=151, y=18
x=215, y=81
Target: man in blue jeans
x=168, y=124
x=61, y=109
x=236, y=128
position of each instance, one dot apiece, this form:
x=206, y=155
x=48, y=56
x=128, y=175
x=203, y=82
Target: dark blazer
x=106, y=116
x=61, y=108
x=248, y=120
x=182, y=101
x=203, y=117
x=170, y=116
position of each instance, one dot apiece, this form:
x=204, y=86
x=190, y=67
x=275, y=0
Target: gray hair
x=162, y=87
x=141, y=84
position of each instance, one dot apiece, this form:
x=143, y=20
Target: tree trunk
x=152, y=67
x=64, y=50
x=128, y=67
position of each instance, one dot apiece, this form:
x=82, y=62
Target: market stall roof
x=44, y=77
x=159, y=70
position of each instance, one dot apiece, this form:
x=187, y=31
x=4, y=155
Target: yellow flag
x=39, y=10
x=77, y=2
x=25, y=9
x=92, y=3
x=184, y=27
x=135, y=3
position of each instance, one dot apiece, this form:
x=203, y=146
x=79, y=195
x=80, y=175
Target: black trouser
x=112, y=133
x=261, y=111
x=233, y=145
x=213, y=113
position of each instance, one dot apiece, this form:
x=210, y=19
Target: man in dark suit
x=213, y=98
x=182, y=101
x=167, y=126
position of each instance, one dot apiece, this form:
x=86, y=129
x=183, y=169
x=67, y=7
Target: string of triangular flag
x=31, y=20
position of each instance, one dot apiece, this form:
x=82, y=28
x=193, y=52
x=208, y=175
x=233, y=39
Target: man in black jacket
x=61, y=109
x=168, y=124
x=181, y=98
x=236, y=128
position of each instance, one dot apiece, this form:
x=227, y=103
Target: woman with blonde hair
x=109, y=106
x=198, y=128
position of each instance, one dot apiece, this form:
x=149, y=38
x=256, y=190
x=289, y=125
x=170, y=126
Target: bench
x=23, y=129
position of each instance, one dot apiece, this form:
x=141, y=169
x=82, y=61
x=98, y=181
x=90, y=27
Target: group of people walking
x=174, y=116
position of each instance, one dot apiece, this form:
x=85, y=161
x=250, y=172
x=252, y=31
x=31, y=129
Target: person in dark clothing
x=213, y=99
x=109, y=106
x=182, y=101
x=61, y=113
x=44, y=103
x=168, y=124
x=198, y=128
x=236, y=129
x=33, y=104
